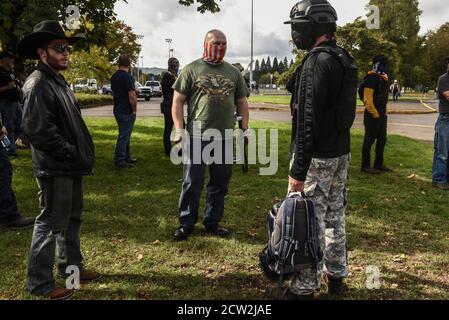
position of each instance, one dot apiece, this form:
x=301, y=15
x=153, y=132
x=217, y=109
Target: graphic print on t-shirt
x=217, y=87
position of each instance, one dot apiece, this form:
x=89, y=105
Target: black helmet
x=319, y=11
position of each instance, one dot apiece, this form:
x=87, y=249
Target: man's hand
x=3, y=132
x=295, y=185
x=12, y=85
x=179, y=135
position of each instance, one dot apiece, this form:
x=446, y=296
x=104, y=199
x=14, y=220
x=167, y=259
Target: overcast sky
x=158, y=20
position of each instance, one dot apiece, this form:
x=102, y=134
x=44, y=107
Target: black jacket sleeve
x=39, y=124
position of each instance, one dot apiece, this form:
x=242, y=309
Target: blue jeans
x=8, y=205
x=57, y=228
x=125, y=125
x=217, y=189
x=440, y=163
x=10, y=113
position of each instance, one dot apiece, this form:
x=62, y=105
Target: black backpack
x=293, y=244
x=347, y=103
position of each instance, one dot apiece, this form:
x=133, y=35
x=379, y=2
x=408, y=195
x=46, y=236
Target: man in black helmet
x=322, y=149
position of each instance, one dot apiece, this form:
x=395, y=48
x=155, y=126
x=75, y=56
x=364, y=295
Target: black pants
x=8, y=204
x=167, y=131
x=375, y=130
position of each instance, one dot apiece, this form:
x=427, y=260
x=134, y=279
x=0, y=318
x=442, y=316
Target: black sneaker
x=125, y=165
x=383, y=169
x=371, y=171
x=182, y=233
x=132, y=161
x=21, y=223
x=335, y=286
x=217, y=230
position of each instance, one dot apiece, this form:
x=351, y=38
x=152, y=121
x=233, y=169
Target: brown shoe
x=87, y=276
x=59, y=294
x=442, y=186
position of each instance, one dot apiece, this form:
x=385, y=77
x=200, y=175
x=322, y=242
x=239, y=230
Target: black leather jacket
x=60, y=141
x=318, y=92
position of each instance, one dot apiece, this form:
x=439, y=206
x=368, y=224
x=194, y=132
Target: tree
x=437, y=50
x=90, y=64
x=399, y=24
x=121, y=40
x=268, y=67
x=281, y=67
x=263, y=67
x=17, y=18
x=204, y=5
x=363, y=44
x=275, y=65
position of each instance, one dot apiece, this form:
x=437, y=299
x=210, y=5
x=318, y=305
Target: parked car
x=156, y=87
x=85, y=85
x=106, y=89
x=143, y=92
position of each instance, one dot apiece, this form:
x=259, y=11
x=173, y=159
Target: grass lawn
x=278, y=99
x=396, y=222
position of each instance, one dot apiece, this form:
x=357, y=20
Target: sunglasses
x=61, y=48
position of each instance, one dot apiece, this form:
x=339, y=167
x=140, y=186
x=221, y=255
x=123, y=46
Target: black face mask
x=303, y=36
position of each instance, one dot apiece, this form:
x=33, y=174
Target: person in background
x=125, y=109
x=375, y=99
x=10, y=217
x=10, y=107
x=168, y=79
x=395, y=90
x=440, y=175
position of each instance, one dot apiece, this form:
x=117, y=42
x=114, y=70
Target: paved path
x=416, y=126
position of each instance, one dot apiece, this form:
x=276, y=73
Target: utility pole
x=169, y=41
x=251, y=76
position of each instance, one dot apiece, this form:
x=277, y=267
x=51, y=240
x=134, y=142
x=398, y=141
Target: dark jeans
x=217, y=189
x=440, y=162
x=375, y=129
x=167, y=131
x=57, y=227
x=10, y=112
x=8, y=204
x=125, y=125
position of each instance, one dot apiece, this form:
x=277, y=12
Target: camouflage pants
x=326, y=185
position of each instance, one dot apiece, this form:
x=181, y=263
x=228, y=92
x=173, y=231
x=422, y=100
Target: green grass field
x=396, y=222
x=285, y=99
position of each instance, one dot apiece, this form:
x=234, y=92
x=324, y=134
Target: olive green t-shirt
x=212, y=92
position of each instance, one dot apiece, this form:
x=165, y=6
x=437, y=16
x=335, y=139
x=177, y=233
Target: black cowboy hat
x=43, y=32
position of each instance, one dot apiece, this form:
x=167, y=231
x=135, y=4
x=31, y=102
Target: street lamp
x=169, y=41
x=252, y=43
x=139, y=37
x=141, y=57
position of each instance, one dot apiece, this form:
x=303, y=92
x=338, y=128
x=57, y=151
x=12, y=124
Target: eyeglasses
x=61, y=48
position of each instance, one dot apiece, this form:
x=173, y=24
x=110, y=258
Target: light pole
x=139, y=37
x=141, y=57
x=252, y=43
x=169, y=41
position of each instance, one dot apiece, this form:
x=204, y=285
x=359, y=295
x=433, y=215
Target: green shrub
x=88, y=100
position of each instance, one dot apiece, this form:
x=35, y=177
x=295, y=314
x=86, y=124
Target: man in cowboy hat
x=63, y=152
x=440, y=163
